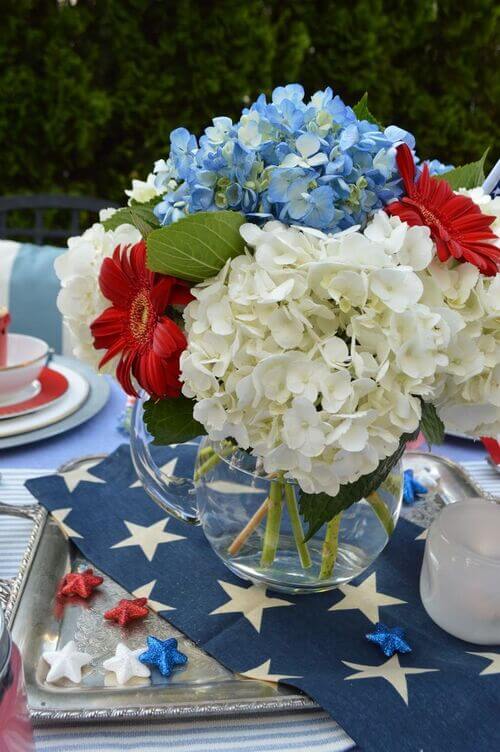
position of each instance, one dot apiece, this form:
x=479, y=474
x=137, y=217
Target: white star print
x=148, y=538
x=81, y=473
x=494, y=667
x=250, y=601
x=391, y=671
x=262, y=673
x=60, y=515
x=423, y=535
x=167, y=471
x=365, y=598
x=67, y=663
x=144, y=592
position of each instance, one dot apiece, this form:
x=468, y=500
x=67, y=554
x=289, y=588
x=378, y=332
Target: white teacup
x=460, y=578
x=26, y=356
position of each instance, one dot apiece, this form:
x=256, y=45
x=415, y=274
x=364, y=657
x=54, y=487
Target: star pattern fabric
x=250, y=601
x=148, y=538
x=316, y=642
x=494, y=663
x=80, y=473
x=365, y=598
x=391, y=671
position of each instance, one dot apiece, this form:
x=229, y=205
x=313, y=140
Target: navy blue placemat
x=445, y=694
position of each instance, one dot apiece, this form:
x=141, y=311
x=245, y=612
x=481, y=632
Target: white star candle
x=460, y=578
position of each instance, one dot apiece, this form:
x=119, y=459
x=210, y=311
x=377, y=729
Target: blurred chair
x=39, y=205
x=28, y=283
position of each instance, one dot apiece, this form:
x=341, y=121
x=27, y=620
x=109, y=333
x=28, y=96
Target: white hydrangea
x=143, y=191
x=80, y=299
x=468, y=389
x=313, y=350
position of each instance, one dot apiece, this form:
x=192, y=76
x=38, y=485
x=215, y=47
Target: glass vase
x=252, y=520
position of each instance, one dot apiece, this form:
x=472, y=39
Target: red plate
x=53, y=385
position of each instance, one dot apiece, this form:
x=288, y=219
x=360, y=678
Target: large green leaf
x=170, y=420
x=363, y=113
x=320, y=508
x=196, y=247
x=431, y=424
x=468, y=176
x=139, y=215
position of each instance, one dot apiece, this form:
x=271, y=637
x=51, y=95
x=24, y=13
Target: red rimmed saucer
x=53, y=385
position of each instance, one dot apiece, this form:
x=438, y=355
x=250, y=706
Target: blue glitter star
x=389, y=639
x=163, y=654
x=412, y=489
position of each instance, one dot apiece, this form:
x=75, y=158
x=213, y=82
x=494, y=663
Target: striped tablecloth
x=301, y=732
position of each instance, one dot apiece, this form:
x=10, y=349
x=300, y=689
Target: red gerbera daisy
x=136, y=327
x=457, y=224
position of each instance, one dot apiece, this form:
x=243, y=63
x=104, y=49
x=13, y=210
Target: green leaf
x=363, y=113
x=431, y=424
x=468, y=176
x=139, y=215
x=320, y=508
x=170, y=420
x=196, y=247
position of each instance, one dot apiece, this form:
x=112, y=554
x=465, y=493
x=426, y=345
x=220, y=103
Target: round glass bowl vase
x=253, y=523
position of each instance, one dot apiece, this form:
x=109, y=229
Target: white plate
x=73, y=398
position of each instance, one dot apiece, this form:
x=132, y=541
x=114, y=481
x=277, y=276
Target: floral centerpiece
x=299, y=287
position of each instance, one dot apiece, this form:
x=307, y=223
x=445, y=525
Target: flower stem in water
x=298, y=532
x=272, y=532
x=212, y=461
x=247, y=531
x=382, y=511
x=330, y=547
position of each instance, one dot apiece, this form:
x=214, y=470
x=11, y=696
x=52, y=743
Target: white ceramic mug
x=460, y=578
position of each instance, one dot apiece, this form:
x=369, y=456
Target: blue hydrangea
x=306, y=163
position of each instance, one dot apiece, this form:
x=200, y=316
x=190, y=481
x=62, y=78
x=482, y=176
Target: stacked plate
x=41, y=395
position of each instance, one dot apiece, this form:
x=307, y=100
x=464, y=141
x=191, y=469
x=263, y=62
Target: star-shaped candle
x=79, y=583
x=125, y=664
x=163, y=654
x=66, y=663
x=127, y=610
x=390, y=639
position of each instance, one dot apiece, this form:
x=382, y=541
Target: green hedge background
x=89, y=91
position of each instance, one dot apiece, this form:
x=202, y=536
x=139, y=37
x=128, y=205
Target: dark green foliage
x=89, y=94
x=431, y=424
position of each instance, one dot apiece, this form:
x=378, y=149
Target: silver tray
x=203, y=688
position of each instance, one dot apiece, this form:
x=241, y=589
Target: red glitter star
x=128, y=610
x=79, y=583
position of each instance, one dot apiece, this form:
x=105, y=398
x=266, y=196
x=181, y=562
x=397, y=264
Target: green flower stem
x=382, y=511
x=272, y=532
x=213, y=461
x=330, y=548
x=393, y=484
x=298, y=532
x=206, y=452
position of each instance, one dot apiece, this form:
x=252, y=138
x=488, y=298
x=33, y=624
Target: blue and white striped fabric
x=297, y=732
x=29, y=288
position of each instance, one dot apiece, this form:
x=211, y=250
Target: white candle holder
x=460, y=578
